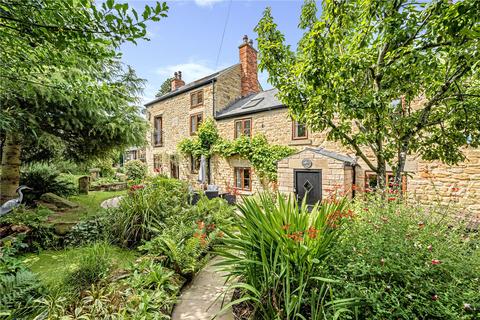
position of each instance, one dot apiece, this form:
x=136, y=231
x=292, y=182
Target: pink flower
x=435, y=297
x=382, y=262
x=430, y=248
x=435, y=261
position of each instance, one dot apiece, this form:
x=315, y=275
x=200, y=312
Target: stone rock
x=94, y=173
x=83, y=184
x=57, y=200
x=121, y=176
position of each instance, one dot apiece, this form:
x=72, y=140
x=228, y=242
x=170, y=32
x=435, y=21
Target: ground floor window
x=194, y=164
x=157, y=163
x=243, y=179
x=371, y=181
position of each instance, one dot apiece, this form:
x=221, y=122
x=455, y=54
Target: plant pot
x=211, y=194
x=194, y=198
x=230, y=198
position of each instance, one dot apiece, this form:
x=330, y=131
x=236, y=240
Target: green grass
x=89, y=206
x=52, y=266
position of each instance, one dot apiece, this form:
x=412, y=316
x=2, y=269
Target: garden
x=127, y=262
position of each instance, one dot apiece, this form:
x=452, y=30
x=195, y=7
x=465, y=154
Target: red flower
x=455, y=189
x=392, y=199
x=312, y=232
x=435, y=261
x=137, y=187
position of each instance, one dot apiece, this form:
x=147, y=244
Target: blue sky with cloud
x=189, y=38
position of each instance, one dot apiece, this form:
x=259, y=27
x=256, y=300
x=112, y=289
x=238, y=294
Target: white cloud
x=191, y=71
x=207, y=3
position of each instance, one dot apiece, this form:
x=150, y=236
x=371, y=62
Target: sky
x=189, y=39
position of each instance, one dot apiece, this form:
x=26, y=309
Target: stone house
x=235, y=100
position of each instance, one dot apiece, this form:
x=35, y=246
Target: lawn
x=52, y=266
x=89, y=206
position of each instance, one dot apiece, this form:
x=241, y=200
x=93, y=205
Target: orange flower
x=312, y=232
x=220, y=234
x=200, y=225
x=286, y=227
x=211, y=227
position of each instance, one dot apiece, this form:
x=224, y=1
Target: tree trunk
x=400, y=169
x=10, y=177
x=381, y=176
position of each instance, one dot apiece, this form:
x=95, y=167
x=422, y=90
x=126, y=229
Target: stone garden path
x=111, y=203
x=198, y=299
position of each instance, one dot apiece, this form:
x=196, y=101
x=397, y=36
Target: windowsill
x=196, y=106
x=157, y=145
x=300, y=142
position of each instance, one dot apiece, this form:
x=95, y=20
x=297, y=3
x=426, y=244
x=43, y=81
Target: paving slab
x=198, y=300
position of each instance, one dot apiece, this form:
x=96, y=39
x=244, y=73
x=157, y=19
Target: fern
x=17, y=293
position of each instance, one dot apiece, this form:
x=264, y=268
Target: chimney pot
x=248, y=61
x=177, y=81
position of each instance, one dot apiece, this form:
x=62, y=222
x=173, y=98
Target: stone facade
x=427, y=182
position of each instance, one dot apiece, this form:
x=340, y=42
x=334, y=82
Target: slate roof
x=334, y=155
x=192, y=85
x=257, y=102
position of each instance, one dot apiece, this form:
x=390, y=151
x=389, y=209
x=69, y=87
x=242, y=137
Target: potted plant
x=231, y=195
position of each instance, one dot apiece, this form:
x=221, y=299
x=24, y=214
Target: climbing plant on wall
x=262, y=155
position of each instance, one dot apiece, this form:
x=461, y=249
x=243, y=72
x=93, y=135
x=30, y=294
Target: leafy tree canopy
x=166, y=87
x=61, y=74
x=388, y=78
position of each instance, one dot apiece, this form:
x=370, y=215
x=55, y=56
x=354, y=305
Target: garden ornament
x=11, y=204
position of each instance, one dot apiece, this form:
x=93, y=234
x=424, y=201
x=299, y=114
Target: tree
x=60, y=74
x=166, y=87
x=362, y=68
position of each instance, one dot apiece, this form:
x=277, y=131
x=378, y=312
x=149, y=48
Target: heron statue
x=11, y=204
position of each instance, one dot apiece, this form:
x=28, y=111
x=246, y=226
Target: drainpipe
x=354, y=180
x=209, y=171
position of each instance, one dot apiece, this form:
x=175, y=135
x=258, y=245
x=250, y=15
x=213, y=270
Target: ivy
x=262, y=155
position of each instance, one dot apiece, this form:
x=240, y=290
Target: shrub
x=188, y=235
x=88, y=231
x=44, y=178
x=277, y=253
x=136, y=170
x=106, y=168
x=407, y=263
x=18, y=286
x=35, y=231
x=93, y=265
x=142, y=213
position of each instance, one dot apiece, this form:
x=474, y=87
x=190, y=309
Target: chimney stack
x=248, y=60
x=177, y=81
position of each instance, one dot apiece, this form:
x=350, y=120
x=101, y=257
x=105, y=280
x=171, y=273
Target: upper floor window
x=158, y=131
x=243, y=179
x=196, y=98
x=299, y=131
x=243, y=127
x=194, y=164
x=195, y=120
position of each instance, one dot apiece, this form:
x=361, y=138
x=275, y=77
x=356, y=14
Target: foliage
x=88, y=231
x=93, y=265
x=261, y=155
x=61, y=74
x=141, y=214
x=34, y=230
x=136, y=170
x=277, y=253
x=207, y=136
x=18, y=286
x=188, y=235
x=43, y=178
x=165, y=88
x=45, y=148
x=389, y=77
x=106, y=167
x=407, y=263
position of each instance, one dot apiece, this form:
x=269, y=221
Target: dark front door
x=308, y=183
